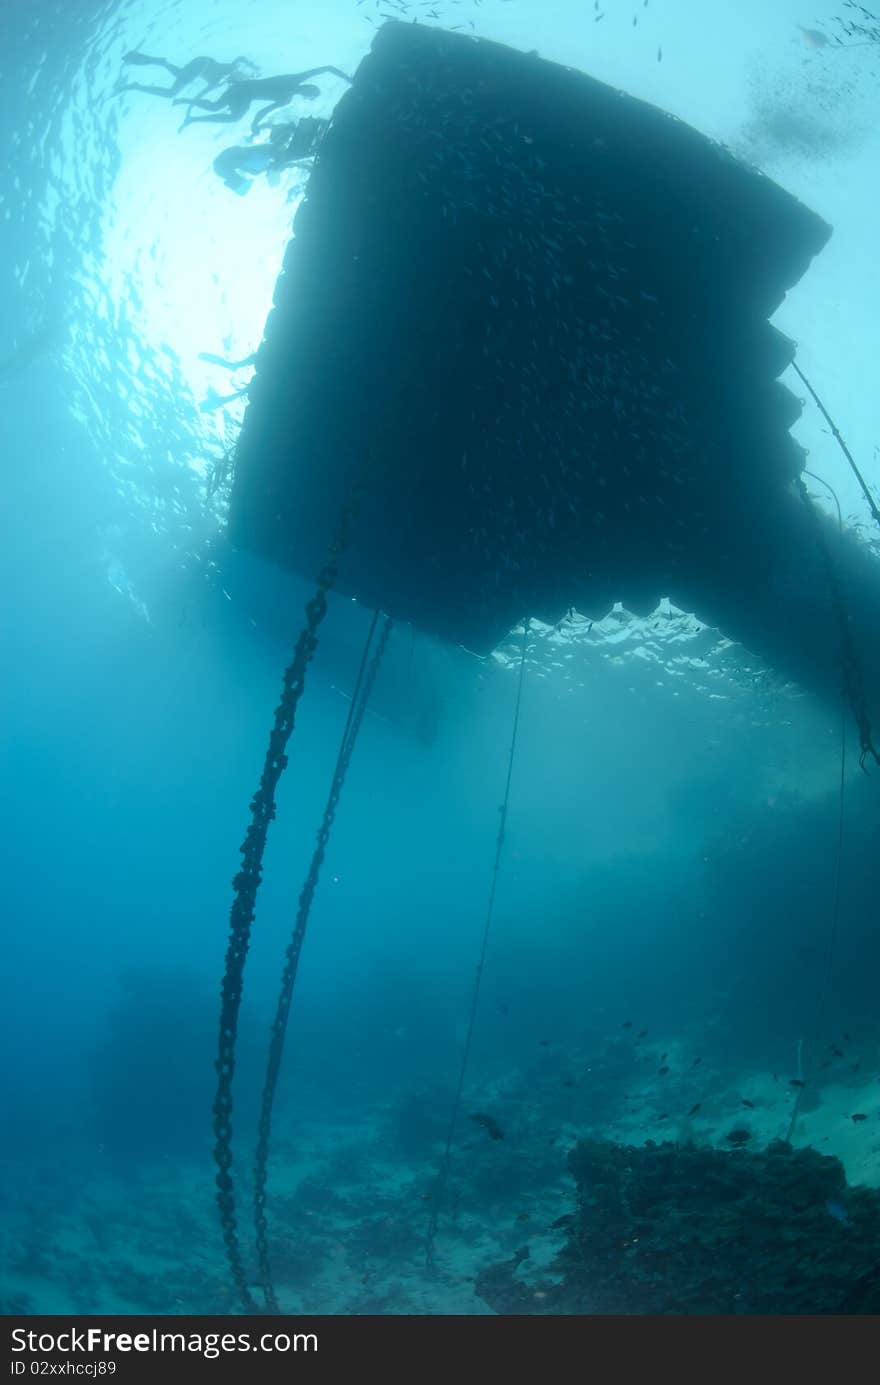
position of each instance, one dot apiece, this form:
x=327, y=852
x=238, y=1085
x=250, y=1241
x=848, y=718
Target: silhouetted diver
x=207, y=69
x=289, y=144
x=240, y=164
x=238, y=97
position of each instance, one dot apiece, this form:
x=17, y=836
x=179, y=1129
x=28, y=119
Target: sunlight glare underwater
x=174, y=263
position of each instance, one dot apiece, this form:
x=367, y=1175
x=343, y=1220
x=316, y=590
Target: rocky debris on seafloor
x=686, y=1229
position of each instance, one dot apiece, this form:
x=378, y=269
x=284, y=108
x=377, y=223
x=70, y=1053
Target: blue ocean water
x=662, y=927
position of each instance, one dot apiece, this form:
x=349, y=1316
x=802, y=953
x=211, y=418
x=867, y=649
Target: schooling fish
x=858, y=1116
x=489, y=1124
x=695, y=1108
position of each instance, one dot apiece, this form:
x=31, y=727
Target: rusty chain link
x=360, y=698
x=245, y=886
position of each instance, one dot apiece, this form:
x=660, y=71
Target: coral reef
x=684, y=1229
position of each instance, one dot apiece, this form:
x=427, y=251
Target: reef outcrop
x=687, y=1229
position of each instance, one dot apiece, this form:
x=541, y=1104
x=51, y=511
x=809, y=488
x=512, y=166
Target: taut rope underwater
x=853, y=682
x=838, y=861
x=872, y=504
x=363, y=687
x=835, y=918
x=852, y=692
x=859, y=1293
x=852, y=674
x=443, y=1172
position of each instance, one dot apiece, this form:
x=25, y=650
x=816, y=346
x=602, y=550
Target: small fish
x=837, y=1210
x=837, y=1052
x=695, y=1108
x=696, y=1063
x=568, y=1082
x=750, y=1104
x=659, y=55
x=738, y=1137
x=560, y=1222
x=854, y=1067
x=796, y=1082
x=661, y=1072
x=627, y=1024
x=489, y=1124
x=813, y=38
x=664, y=1116
x=641, y=1034
x=848, y=1038
x=504, y=1008
x=663, y=1057
x=545, y=1043
x=524, y=1216
x=858, y=1116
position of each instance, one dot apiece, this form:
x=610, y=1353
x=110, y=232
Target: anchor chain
x=245, y=886
x=360, y=698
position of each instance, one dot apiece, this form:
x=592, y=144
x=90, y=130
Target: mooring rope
x=835, y=921
x=443, y=1172
x=851, y=670
x=363, y=688
x=864, y=1289
x=852, y=673
x=838, y=860
x=245, y=887
x=828, y=486
x=872, y=504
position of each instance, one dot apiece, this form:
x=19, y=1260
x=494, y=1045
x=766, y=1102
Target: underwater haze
x=673, y=937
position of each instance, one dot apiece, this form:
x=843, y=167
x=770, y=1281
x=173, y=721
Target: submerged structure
x=519, y=361
x=525, y=318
